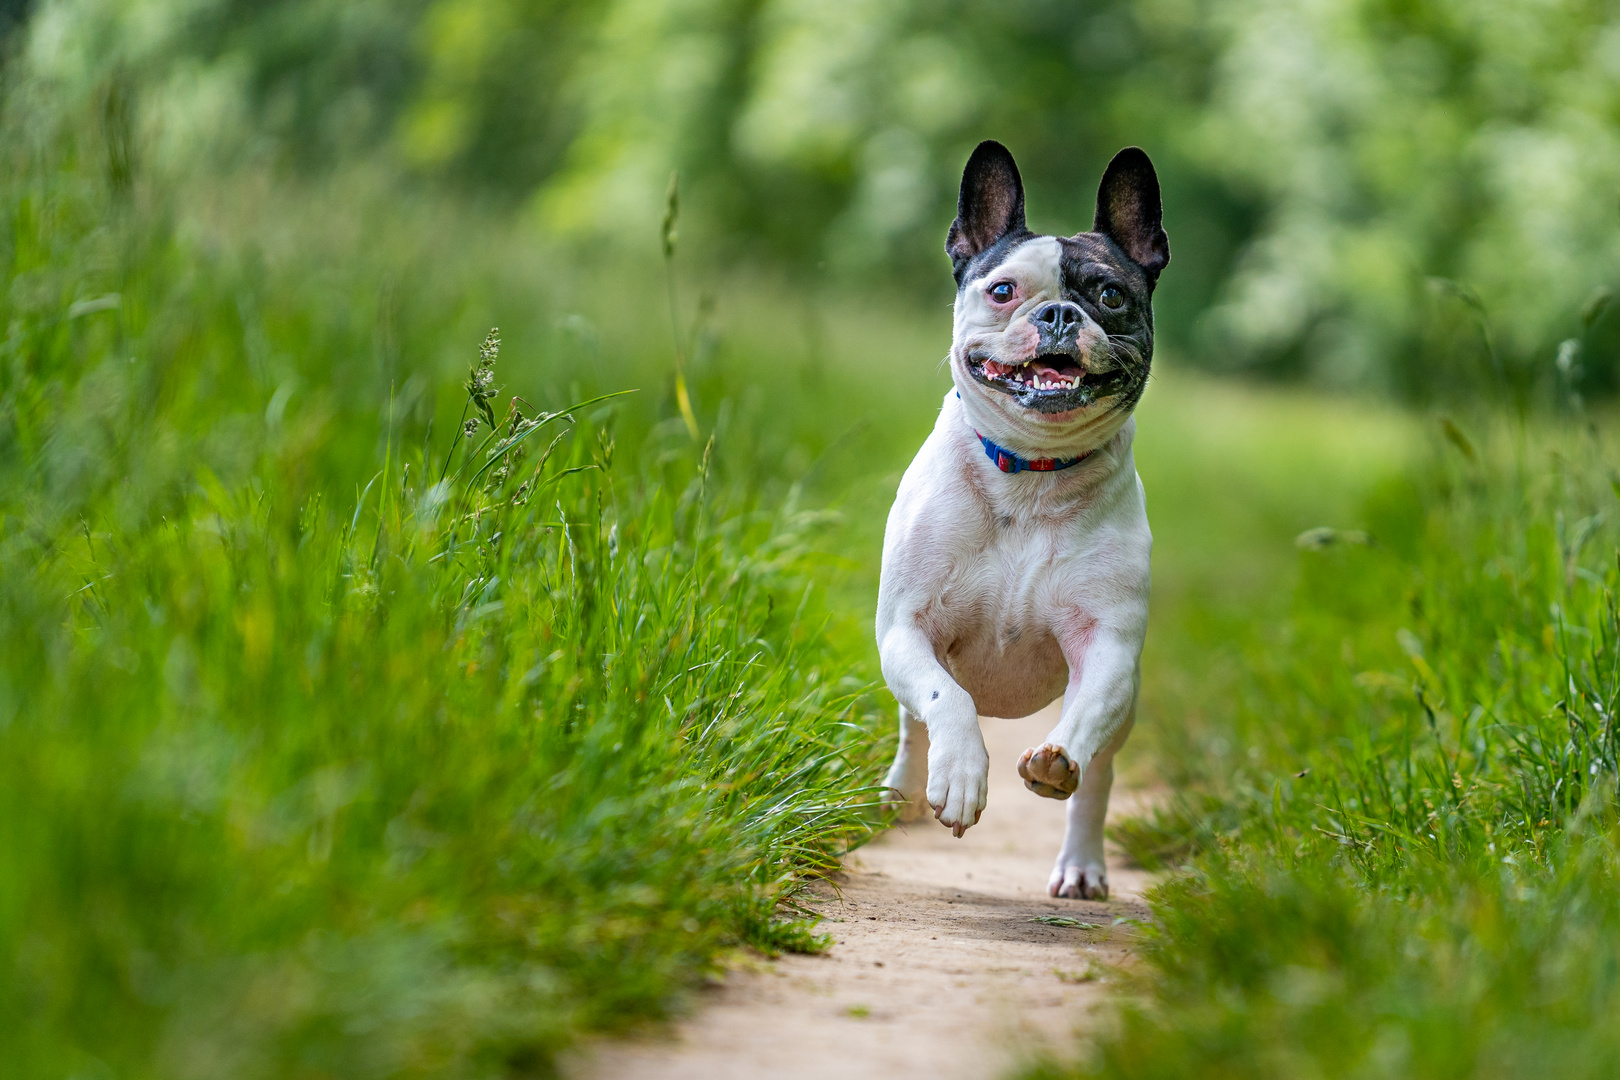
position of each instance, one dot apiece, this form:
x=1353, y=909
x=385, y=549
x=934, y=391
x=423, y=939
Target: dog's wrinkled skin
x=1002, y=592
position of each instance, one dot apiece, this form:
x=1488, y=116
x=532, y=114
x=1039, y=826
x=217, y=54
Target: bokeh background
x=1403, y=197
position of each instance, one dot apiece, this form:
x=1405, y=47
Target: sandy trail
x=940, y=967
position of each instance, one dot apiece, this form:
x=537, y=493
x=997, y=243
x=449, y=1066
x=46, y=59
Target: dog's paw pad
x=1079, y=883
x=1046, y=790
x=1047, y=771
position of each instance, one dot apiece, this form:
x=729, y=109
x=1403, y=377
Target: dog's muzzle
x=1065, y=373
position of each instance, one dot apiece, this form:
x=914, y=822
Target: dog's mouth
x=1050, y=382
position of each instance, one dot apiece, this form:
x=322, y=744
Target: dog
x=1015, y=557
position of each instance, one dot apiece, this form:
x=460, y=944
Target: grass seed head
x=481, y=387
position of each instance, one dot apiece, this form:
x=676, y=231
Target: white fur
x=1002, y=592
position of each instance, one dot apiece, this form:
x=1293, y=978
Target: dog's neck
x=1033, y=435
x=1036, y=493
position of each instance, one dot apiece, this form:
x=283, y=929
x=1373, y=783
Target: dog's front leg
x=1099, y=707
x=958, y=765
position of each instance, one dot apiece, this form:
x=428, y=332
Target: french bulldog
x=1015, y=558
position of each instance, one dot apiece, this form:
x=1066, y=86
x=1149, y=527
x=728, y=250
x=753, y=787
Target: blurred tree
x=492, y=105
x=1424, y=165
x=13, y=13
x=1364, y=192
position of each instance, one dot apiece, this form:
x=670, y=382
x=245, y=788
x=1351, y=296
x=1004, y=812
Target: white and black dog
x=1015, y=561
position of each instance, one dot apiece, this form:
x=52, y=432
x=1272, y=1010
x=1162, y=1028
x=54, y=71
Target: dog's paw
x=958, y=781
x=1047, y=770
x=1079, y=882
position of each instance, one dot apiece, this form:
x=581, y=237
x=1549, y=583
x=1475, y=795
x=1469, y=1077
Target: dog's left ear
x=1129, y=211
x=990, y=206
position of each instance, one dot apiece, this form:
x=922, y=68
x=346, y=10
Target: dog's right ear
x=990, y=206
x=1130, y=213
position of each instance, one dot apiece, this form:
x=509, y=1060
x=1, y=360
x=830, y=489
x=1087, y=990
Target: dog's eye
x=1111, y=298
x=1002, y=291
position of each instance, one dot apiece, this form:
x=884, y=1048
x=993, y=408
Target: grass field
x=378, y=699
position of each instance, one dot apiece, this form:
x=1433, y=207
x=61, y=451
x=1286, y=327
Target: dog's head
x=1054, y=334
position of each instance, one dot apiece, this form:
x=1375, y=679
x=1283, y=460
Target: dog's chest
x=995, y=621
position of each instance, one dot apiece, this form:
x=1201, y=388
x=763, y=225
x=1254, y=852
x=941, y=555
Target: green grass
x=1393, y=827
x=338, y=740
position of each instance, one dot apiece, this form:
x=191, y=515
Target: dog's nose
x=1058, y=317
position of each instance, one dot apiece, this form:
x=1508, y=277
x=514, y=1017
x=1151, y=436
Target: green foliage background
x=1349, y=183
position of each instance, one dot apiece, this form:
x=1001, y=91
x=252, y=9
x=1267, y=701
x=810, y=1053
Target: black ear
x=1129, y=212
x=990, y=206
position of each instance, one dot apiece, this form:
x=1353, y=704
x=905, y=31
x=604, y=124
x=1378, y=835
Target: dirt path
x=940, y=967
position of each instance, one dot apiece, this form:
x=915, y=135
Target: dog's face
x=1054, y=332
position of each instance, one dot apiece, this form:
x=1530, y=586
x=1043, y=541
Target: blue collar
x=1009, y=462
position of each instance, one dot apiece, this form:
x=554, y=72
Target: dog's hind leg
x=1081, y=873
x=908, y=776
